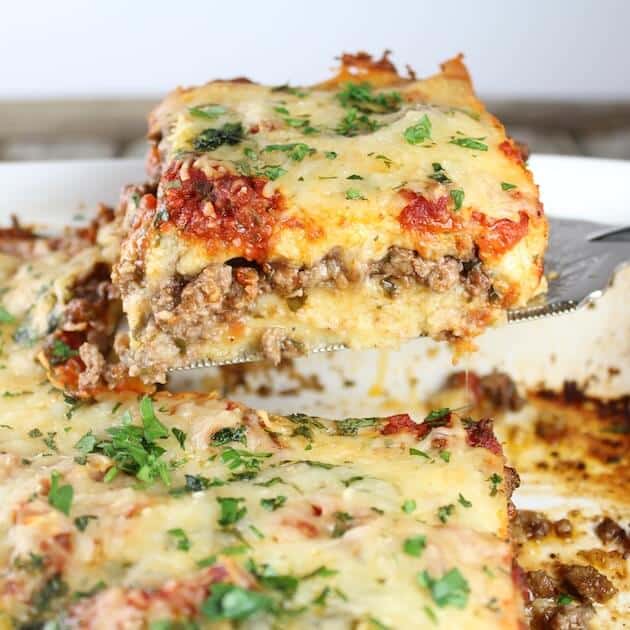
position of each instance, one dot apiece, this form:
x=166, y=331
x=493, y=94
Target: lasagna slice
x=183, y=511
x=363, y=211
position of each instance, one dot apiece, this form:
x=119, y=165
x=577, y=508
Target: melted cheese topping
x=345, y=191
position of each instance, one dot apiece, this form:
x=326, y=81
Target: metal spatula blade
x=581, y=263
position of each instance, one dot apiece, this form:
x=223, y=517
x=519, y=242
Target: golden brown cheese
x=364, y=211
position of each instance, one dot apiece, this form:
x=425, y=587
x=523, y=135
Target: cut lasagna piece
x=183, y=510
x=364, y=211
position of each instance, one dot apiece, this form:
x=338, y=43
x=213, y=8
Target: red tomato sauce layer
x=228, y=211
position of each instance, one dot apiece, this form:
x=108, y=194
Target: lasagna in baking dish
x=362, y=211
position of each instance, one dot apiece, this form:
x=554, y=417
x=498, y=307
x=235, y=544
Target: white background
x=547, y=48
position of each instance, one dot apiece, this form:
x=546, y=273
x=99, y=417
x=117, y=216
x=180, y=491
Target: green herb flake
x=354, y=194
x=256, y=532
x=445, y=456
x=229, y=434
x=494, y=480
x=387, y=161
x=419, y=453
x=354, y=176
x=342, y=524
x=362, y=97
x=81, y=522
x=445, y=512
x=463, y=501
x=437, y=414
x=470, y=143
x=231, y=510
x=294, y=91
x=564, y=599
x=54, y=588
x=153, y=428
x=415, y=545
x=348, y=482
x=5, y=316
x=354, y=123
x=35, y=433
x=211, y=139
x=457, y=195
x=322, y=571
x=439, y=174
x=180, y=436
x=179, y=537
x=209, y=111
x=351, y=426
x=297, y=151
x=60, y=497
x=32, y=564
x=86, y=443
x=507, y=186
x=227, y=601
x=430, y=613
x=49, y=441
x=271, y=505
x=451, y=589
x=420, y=132
x=207, y=562
x=273, y=172
x=61, y=352
x=330, y=155
x=408, y=506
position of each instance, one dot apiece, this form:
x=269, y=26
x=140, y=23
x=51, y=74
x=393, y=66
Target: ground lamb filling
x=187, y=308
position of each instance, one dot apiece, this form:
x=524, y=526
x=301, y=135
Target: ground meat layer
x=186, y=308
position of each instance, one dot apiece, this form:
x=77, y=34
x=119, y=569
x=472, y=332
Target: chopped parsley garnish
x=33, y=563
x=153, y=428
x=449, y=590
x=229, y=434
x=387, y=161
x=227, y=601
x=257, y=532
x=231, y=510
x=470, y=143
x=457, y=195
x=133, y=448
x=179, y=537
x=342, y=524
x=445, y=511
x=35, y=433
x=271, y=505
x=564, y=599
x=418, y=133
x=417, y=451
x=430, y=613
x=207, y=562
x=463, y=501
x=273, y=171
x=353, y=193
x=408, y=506
x=507, y=186
x=86, y=443
x=5, y=316
x=354, y=176
x=81, y=522
x=180, y=436
x=235, y=458
x=350, y=426
x=211, y=139
x=207, y=111
x=315, y=464
x=61, y=352
x=355, y=123
x=445, y=456
x=270, y=482
x=297, y=151
x=322, y=571
x=437, y=414
x=60, y=497
x=362, y=97
x=415, y=545
x=379, y=625
x=54, y=588
x=49, y=440
x=195, y=483
x=330, y=155
x=439, y=174
x=494, y=480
